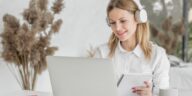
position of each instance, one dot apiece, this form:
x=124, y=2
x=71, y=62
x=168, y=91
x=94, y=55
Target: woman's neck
x=129, y=45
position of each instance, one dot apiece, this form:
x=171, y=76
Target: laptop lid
x=78, y=76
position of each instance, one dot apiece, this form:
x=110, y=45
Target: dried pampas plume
x=31, y=15
x=42, y=4
x=26, y=45
x=11, y=22
x=57, y=6
x=56, y=25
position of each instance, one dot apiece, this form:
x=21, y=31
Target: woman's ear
x=136, y=20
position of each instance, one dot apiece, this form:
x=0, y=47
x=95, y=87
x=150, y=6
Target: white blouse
x=134, y=62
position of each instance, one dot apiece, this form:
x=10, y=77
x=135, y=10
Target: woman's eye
x=112, y=23
x=123, y=21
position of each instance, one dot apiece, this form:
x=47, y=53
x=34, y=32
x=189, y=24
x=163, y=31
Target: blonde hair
x=142, y=31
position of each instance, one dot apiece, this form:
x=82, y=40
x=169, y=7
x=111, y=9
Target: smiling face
x=123, y=24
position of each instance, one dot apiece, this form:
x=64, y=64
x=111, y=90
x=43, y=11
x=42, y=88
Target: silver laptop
x=75, y=76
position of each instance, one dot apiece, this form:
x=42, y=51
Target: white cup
x=168, y=92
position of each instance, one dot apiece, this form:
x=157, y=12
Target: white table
x=181, y=78
x=28, y=93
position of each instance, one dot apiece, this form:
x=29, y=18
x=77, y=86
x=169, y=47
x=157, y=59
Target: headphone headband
x=138, y=3
x=141, y=14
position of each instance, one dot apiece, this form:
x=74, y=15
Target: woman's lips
x=121, y=33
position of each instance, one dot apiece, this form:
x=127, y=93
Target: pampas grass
x=57, y=6
x=26, y=45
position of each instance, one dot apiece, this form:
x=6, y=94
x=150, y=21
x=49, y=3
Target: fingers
x=143, y=90
x=139, y=88
x=142, y=93
x=148, y=84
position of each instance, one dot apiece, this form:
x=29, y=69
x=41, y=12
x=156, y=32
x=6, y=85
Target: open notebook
x=131, y=80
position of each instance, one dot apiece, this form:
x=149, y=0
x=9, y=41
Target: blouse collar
x=137, y=50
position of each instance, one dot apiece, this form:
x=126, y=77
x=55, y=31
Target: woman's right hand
x=143, y=90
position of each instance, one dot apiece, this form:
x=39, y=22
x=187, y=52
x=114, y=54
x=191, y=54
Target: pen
x=120, y=79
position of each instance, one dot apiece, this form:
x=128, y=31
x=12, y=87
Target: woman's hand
x=143, y=90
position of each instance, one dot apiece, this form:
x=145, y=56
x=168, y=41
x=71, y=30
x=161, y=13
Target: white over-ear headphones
x=141, y=14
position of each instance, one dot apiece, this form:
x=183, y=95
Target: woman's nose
x=118, y=26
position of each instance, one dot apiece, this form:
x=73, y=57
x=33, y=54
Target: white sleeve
x=161, y=73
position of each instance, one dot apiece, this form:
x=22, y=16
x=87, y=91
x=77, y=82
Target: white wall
x=84, y=25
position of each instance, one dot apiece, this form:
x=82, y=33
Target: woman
x=130, y=49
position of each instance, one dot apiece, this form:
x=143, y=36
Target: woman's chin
x=122, y=39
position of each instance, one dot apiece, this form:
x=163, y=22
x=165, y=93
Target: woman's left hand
x=143, y=90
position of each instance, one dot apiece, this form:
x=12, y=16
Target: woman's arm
x=161, y=72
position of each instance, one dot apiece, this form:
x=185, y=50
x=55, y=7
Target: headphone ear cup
x=141, y=16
